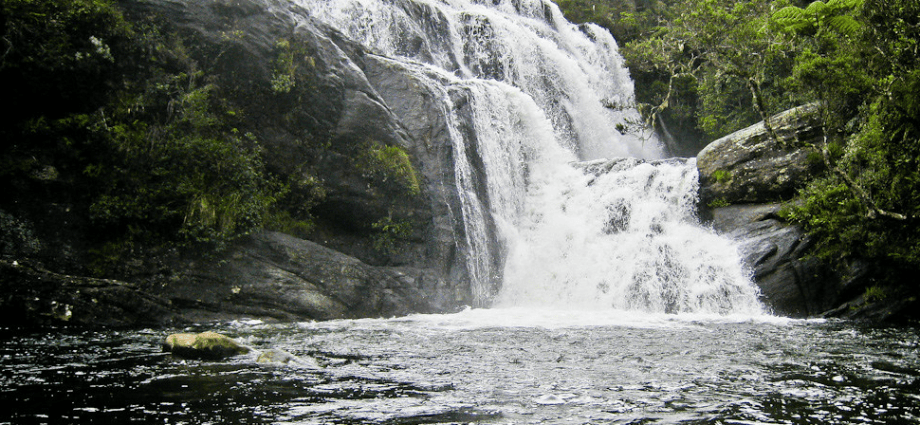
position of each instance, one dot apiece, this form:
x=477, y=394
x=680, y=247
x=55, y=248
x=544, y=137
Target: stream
x=502, y=366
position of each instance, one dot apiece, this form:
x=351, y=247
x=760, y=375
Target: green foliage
x=390, y=165
x=389, y=233
x=820, y=15
x=710, y=65
x=875, y=294
x=44, y=39
x=718, y=203
x=288, y=57
x=722, y=176
x=870, y=91
x=285, y=222
x=184, y=176
x=283, y=77
x=149, y=146
x=292, y=213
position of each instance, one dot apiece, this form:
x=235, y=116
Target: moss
x=815, y=159
x=875, y=294
x=283, y=221
x=718, y=203
x=722, y=176
x=289, y=56
x=391, y=166
x=206, y=345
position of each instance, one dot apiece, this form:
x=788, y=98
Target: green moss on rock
x=205, y=345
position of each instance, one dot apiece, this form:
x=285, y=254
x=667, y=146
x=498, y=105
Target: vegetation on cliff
x=117, y=120
x=125, y=136
x=705, y=68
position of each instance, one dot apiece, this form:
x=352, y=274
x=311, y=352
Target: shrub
x=389, y=232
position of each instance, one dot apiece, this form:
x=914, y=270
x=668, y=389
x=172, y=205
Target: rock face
x=273, y=275
x=752, y=172
x=791, y=283
x=748, y=166
x=340, y=103
x=345, y=100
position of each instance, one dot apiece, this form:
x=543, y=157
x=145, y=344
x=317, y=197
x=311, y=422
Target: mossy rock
x=206, y=345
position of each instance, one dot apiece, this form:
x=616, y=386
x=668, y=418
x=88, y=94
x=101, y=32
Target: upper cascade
x=573, y=73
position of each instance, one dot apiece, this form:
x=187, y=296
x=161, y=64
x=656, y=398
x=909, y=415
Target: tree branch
x=762, y=110
x=861, y=194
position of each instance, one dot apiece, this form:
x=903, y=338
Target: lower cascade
x=538, y=114
x=623, y=233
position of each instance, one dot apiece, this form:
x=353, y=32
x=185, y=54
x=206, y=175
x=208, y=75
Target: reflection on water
x=481, y=366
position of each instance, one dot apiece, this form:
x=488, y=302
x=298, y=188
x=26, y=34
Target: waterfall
x=551, y=216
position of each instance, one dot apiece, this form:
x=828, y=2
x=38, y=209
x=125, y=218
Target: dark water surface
x=480, y=366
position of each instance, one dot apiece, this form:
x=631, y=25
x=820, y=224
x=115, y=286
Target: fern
x=843, y=24
x=816, y=9
x=793, y=19
x=831, y=15
x=843, y=5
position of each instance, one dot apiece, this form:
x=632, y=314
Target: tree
x=720, y=60
x=865, y=70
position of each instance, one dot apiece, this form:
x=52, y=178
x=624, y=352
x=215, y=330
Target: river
x=479, y=366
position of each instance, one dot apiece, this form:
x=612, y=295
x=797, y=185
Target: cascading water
x=624, y=234
x=544, y=97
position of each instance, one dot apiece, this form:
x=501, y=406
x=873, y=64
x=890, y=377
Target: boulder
x=749, y=166
x=205, y=345
x=752, y=173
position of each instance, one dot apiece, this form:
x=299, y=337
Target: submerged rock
x=205, y=345
x=280, y=357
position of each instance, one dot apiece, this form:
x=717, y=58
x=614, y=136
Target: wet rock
x=791, y=283
x=274, y=275
x=275, y=356
x=345, y=99
x=748, y=166
x=751, y=172
x=35, y=296
x=205, y=345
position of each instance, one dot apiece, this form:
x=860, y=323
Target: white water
x=599, y=235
